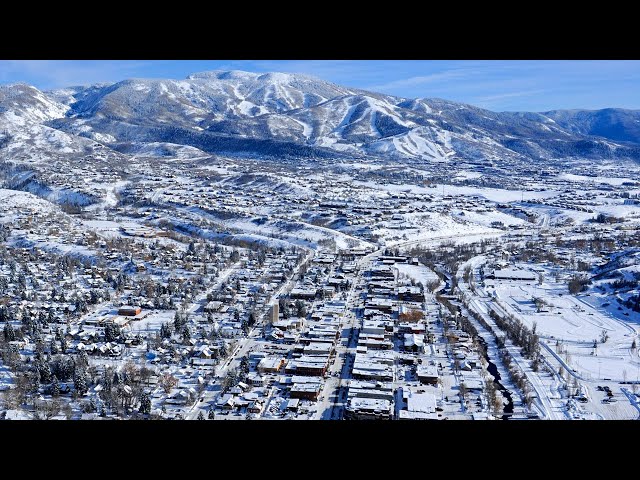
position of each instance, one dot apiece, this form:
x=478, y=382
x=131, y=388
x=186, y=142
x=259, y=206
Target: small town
x=154, y=275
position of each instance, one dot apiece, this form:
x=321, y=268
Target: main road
x=334, y=394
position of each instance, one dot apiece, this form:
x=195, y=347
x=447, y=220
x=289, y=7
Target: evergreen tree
x=186, y=335
x=178, y=322
x=301, y=309
x=211, y=415
x=35, y=381
x=244, y=364
x=55, y=387
x=82, y=360
x=107, y=381
x=9, y=332
x=200, y=415
x=80, y=383
x=111, y=332
x=39, y=350
x=94, y=297
x=45, y=371
x=165, y=330
x=145, y=404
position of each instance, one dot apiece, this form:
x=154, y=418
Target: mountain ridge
x=240, y=112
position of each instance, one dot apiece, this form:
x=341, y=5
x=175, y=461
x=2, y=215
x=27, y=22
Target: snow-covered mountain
x=29, y=103
x=276, y=114
x=203, y=98
x=613, y=123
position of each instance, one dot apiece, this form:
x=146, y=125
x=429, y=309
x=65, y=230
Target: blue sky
x=500, y=85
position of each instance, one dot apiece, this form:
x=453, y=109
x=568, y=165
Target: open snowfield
x=615, y=181
x=493, y=194
x=104, y=228
x=12, y=200
x=425, y=226
x=152, y=322
x=56, y=246
x=487, y=218
x=565, y=328
x=571, y=327
x=419, y=273
x=308, y=234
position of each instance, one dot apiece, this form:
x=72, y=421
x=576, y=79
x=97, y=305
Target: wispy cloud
x=493, y=101
x=420, y=80
x=63, y=73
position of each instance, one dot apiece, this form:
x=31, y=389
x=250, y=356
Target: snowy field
x=14, y=202
x=105, y=228
x=308, y=234
x=425, y=227
x=571, y=327
x=615, y=181
x=493, y=194
x=419, y=273
x=487, y=218
x=152, y=322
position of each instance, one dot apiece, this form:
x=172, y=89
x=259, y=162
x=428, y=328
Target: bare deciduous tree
x=45, y=410
x=432, y=285
x=167, y=382
x=463, y=391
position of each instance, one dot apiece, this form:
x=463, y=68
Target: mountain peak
x=27, y=101
x=223, y=75
x=18, y=88
x=266, y=77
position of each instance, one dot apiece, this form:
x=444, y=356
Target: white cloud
x=417, y=81
x=496, y=100
x=63, y=73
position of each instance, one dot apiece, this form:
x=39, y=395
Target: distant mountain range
x=278, y=114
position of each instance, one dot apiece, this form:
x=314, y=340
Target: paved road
x=244, y=346
x=334, y=392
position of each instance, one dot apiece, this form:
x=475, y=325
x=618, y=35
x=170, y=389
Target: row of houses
x=391, y=311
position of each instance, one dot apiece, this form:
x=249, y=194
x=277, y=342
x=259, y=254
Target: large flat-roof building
x=512, y=274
